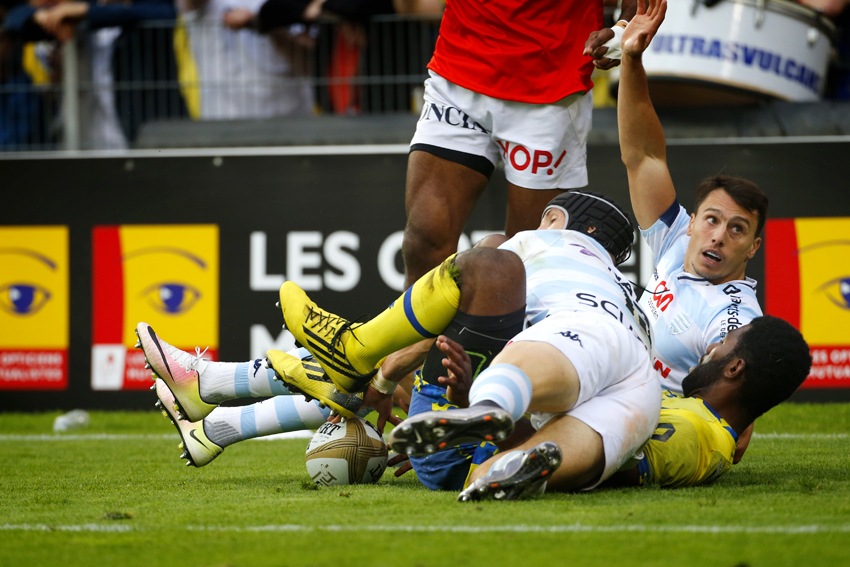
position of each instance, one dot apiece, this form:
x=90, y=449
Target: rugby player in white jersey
x=698, y=292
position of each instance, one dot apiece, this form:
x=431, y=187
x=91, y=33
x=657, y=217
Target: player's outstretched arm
x=642, y=144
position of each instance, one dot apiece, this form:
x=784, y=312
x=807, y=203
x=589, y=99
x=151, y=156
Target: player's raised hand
x=459, y=380
x=642, y=28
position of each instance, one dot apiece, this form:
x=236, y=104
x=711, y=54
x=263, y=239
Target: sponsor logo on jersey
x=164, y=275
x=572, y=336
x=34, y=308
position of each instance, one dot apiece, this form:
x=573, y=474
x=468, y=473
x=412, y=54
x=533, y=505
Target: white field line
x=307, y=434
x=522, y=528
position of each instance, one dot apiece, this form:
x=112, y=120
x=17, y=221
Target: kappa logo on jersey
x=520, y=158
x=572, y=336
x=452, y=116
x=730, y=289
x=662, y=296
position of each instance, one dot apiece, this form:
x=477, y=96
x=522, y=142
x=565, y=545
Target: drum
x=739, y=51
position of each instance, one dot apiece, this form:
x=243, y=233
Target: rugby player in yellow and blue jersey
x=753, y=369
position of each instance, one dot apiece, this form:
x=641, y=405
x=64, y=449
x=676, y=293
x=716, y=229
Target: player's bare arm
x=642, y=143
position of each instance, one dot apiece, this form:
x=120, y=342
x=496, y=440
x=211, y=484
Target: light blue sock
x=222, y=381
x=505, y=385
x=281, y=414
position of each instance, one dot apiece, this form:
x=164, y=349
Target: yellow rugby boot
x=306, y=377
x=349, y=352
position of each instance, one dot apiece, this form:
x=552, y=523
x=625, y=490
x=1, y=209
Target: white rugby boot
x=198, y=450
x=516, y=475
x=179, y=369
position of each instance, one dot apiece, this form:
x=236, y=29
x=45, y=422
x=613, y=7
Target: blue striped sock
x=505, y=385
x=281, y=414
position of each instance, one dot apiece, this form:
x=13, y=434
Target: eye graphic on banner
x=165, y=275
x=807, y=269
x=34, y=324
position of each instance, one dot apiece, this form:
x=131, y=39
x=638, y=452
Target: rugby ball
x=350, y=452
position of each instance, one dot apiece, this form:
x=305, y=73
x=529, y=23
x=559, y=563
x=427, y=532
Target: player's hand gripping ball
x=350, y=452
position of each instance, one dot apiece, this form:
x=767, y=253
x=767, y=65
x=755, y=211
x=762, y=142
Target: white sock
x=505, y=385
x=221, y=381
x=281, y=414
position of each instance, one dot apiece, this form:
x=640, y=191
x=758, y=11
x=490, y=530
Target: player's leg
x=524, y=372
x=593, y=440
x=452, y=155
x=557, y=364
x=525, y=207
x=565, y=454
x=349, y=352
x=203, y=440
x=486, y=324
x=199, y=385
x=439, y=197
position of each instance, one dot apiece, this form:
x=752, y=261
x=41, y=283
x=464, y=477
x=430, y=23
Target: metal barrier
x=95, y=91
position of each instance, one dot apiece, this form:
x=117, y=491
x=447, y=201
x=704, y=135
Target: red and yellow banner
x=164, y=275
x=807, y=272
x=34, y=303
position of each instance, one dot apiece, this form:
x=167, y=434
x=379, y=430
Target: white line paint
x=801, y=435
x=306, y=434
x=90, y=437
x=522, y=528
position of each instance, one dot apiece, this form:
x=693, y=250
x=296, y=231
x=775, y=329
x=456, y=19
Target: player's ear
x=756, y=245
x=691, y=223
x=735, y=369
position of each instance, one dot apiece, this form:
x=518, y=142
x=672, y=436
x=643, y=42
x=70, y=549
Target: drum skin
x=739, y=51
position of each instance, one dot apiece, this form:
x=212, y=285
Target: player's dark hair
x=612, y=226
x=743, y=191
x=777, y=360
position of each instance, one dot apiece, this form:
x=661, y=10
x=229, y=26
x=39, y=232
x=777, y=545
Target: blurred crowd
x=142, y=60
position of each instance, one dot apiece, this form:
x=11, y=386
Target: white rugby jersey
x=687, y=312
x=566, y=270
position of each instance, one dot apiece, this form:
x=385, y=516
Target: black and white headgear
x=613, y=227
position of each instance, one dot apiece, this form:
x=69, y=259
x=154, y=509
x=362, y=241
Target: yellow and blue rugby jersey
x=692, y=444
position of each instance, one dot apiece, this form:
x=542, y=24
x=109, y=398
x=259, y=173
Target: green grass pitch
x=117, y=494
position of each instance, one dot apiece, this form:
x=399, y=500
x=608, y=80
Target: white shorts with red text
x=543, y=146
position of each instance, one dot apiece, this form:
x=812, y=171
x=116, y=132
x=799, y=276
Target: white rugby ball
x=350, y=452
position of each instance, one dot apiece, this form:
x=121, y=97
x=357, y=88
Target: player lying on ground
x=699, y=290
x=586, y=352
x=755, y=368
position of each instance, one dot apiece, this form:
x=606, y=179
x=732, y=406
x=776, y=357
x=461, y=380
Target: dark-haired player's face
x=711, y=366
x=722, y=239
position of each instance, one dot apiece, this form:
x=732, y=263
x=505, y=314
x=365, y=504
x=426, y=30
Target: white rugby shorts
x=619, y=395
x=543, y=146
